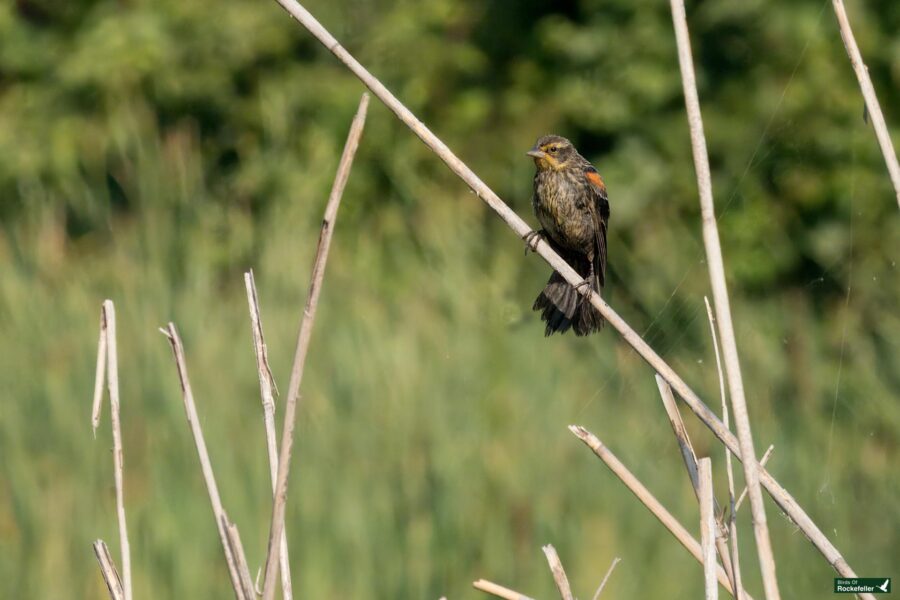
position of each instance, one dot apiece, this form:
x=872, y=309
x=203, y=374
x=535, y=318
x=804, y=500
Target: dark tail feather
x=562, y=307
x=557, y=303
x=588, y=319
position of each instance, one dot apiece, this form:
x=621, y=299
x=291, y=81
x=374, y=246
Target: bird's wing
x=600, y=214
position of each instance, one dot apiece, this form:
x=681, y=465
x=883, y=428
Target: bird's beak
x=536, y=153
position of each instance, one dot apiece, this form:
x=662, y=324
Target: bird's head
x=551, y=152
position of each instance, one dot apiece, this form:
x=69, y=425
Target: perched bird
x=571, y=205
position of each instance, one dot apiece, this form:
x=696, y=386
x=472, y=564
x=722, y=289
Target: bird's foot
x=584, y=288
x=587, y=283
x=532, y=238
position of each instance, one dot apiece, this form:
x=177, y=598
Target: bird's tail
x=562, y=306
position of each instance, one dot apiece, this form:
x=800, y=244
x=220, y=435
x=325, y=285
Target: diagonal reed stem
x=559, y=574
x=240, y=560
x=309, y=315
x=691, y=464
x=108, y=570
x=499, y=591
x=784, y=500
x=609, y=571
x=873, y=108
x=235, y=561
x=649, y=500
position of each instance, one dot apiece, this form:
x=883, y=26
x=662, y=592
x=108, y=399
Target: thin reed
x=108, y=371
x=276, y=530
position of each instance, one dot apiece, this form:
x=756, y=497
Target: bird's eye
x=553, y=149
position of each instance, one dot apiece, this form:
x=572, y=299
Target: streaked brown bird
x=571, y=205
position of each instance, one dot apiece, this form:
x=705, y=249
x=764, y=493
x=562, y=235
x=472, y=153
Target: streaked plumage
x=571, y=205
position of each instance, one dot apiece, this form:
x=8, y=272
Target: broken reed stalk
x=708, y=528
x=303, y=338
x=559, y=574
x=239, y=579
x=722, y=303
x=108, y=369
x=873, y=108
x=266, y=387
x=691, y=464
x=784, y=500
x=729, y=467
x=609, y=571
x=498, y=590
x=681, y=436
x=108, y=570
x=649, y=500
x=237, y=551
x=100, y=374
x=112, y=375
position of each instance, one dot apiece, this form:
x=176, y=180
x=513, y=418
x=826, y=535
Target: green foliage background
x=150, y=152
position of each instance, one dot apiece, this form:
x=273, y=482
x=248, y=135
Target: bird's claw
x=584, y=284
x=531, y=240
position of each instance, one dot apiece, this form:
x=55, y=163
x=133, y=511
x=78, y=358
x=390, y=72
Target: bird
x=571, y=204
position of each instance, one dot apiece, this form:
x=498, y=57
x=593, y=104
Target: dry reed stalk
x=303, y=338
x=609, y=571
x=100, y=374
x=108, y=570
x=237, y=551
x=735, y=550
x=873, y=108
x=112, y=374
x=649, y=500
x=238, y=578
x=784, y=500
x=559, y=574
x=681, y=436
x=708, y=528
x=690, y=463
x=722, y=305
x=266, y=387
x=108, y=369
x=763, y=462
x=498, y=590
x=729, y=468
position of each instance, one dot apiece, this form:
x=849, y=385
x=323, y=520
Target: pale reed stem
x=303, y=338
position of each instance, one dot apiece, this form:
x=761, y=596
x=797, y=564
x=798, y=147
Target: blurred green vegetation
x=150, y=152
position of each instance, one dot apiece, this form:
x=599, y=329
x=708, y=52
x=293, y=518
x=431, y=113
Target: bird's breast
x=560, y=207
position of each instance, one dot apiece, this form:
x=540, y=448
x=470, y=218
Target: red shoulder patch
x=594, y=177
